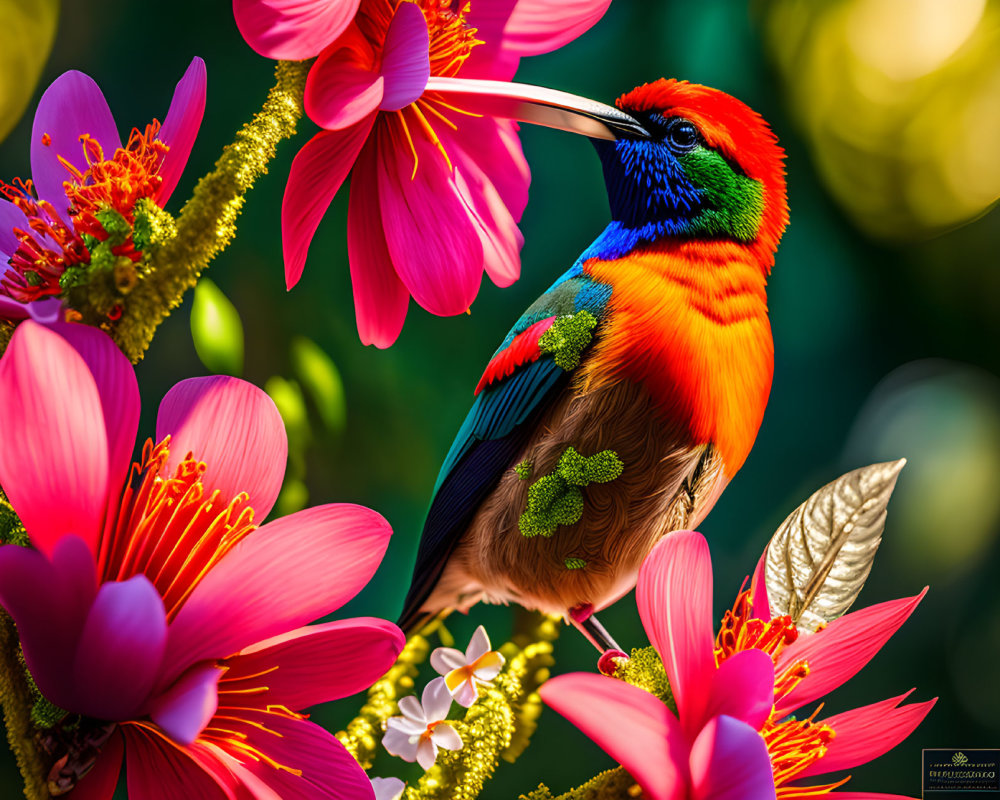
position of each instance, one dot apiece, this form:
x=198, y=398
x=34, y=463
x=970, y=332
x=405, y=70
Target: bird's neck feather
x=688, y=319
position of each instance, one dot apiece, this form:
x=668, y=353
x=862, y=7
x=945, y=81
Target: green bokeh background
x=884, y=348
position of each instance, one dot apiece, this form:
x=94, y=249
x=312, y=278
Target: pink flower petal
x=729, y=761
x=525, y=28
x=436, y=700
x=121, y=649
x=100, y=782
x=441, y=264
x=839, y=651
x=49, y=602
x=413, y=712
x=427, y=751
x=494, y=145
x=317, y=173
x=534, y=27
x=71, y=107
x=674, y=595
x=445, y=659
x=743, y=688
x=157, y=769
x=467, y=694
x=447, y=737
x=758, y=590
x=380, y=298
x=292, y=30
x=180, y=126
x=284, y=575
x=343, y=86
x=863, y=796
x=233, y=427
x=316, y=664
x=185, y=708
x=399, y=741
x=53, y=454
x=10, y=217
x=329, y=772
x=863, y=734
x=406, y=61
x=114, y=377
x=632, y=726
x=498, y=233
x=11, y=309
x=479, y=645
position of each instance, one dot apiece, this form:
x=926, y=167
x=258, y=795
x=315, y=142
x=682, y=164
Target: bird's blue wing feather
x=497, y=426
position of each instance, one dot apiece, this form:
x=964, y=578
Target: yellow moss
x=207, y=223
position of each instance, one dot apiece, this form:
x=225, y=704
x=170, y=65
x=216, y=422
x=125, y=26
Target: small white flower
x=388, y=788
x=464, y=672
x=417, y=735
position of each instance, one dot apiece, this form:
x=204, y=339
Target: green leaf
x=287, y=396
x=26, y=36
x=216, y=329
x=321, y=380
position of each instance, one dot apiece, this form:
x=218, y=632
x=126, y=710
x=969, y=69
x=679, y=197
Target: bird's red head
x=710, y=168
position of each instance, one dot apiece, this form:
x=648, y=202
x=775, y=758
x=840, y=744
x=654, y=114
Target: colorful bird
x=626, y=397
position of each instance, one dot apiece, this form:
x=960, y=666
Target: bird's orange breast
x=689, y=321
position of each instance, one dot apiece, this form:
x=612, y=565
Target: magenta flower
x=437, y=189
x=82, y=174
x=154, y=607
x=733, y=736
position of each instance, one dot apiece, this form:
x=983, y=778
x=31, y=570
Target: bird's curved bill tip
x=540, y=106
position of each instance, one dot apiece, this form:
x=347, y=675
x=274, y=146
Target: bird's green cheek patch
x=734, y=203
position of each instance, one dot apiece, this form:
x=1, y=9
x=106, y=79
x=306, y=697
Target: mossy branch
x=17, y=700
x=179, y=253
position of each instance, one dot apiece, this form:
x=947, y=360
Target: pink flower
x=436, y=189
x=82, y=174
x=417, y=735
x=465, y=672
x=155, y=607
x=388, y=788
x=732, y=736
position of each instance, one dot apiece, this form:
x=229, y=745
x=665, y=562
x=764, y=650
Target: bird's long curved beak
x=538, y=105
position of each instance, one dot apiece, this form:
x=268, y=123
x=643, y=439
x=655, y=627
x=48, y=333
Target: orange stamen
x=741, y=631
x=167, y=530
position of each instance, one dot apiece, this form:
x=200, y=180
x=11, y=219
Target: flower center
x=102, y=209
x=451, y=38
x=169, y=529
x=792, y=744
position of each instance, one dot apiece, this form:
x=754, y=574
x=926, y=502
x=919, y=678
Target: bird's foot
x=610, y=660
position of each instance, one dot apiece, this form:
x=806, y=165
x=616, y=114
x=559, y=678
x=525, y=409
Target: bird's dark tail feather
x=413, y=621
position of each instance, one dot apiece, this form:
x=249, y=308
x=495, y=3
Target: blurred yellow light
x=906, y=39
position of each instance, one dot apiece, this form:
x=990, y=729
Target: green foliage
x=321, y=380
x=613, y=784
x=26, y=37
x=567, y=338
x=557, y=499
x=216, y=330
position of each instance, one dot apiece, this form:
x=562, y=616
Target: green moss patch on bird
x=557, y=499
x=574, y=563
x=567, y=338
x=524, y=470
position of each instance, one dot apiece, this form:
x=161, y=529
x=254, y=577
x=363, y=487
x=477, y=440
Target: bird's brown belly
x=667, y=484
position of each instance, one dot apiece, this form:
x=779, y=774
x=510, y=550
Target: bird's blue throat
x=655, y=193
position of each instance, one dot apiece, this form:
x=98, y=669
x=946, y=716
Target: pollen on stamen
x=169, y=529
x=46, y=140
x=793, y=745
x=740, y=630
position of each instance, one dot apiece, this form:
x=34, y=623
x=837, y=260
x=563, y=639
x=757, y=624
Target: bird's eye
x=682, y=136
